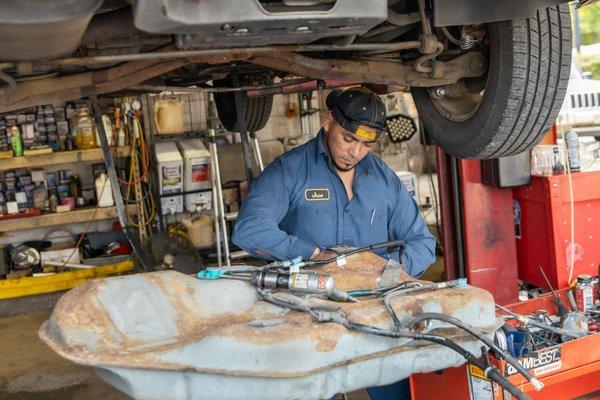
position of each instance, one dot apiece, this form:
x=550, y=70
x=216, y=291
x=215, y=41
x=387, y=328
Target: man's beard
x=342, y=167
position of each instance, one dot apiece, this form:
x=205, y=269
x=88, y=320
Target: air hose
x=489, y=370
x=488, y=342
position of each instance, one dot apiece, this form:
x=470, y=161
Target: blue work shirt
x=299, y=202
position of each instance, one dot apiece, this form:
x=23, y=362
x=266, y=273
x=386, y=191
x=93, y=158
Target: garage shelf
x=65, y=218
x=60, y=157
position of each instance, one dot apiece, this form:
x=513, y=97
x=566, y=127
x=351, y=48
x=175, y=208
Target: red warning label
x=200, y=172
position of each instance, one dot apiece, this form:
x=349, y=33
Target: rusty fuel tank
x=166, y=335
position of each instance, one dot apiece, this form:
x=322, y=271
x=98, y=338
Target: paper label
x=480, y=386
x=300, y=281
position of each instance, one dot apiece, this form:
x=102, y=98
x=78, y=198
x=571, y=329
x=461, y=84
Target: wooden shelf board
x=59, y=157
x=53, y=219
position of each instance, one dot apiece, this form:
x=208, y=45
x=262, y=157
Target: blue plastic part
x=296, y=260
x=516, y=341
x=211, y=273
x=462, y=282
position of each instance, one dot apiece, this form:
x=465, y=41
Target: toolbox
x=569, y=370
x=543, y=228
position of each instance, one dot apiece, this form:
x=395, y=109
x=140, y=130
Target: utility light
x=400, y=127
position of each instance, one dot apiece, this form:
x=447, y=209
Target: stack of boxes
x=4, y=136
x=22, y=189
x=40, y=127
x=16, y=191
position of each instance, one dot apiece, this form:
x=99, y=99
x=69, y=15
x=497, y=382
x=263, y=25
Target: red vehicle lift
x=478, y=234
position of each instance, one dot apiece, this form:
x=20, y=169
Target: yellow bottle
x=86, y=129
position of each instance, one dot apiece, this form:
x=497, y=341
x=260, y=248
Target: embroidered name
x=316, y=194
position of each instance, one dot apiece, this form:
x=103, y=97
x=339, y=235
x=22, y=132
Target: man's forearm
x=264, y=241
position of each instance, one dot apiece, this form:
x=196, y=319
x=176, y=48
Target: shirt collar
x=366, y=164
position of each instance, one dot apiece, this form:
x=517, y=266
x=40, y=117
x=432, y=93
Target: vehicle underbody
x=396, y=45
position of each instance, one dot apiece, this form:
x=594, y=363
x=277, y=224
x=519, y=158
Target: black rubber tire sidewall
x=512, y=116
x=257, y=109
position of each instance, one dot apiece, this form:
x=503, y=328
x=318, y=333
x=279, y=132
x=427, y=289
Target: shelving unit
x=53, y=219
x=61, y=157
x=71, y=217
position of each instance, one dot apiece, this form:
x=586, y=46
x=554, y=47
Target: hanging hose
x=136, y=155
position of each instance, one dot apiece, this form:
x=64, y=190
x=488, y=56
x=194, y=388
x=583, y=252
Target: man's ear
x=328, y=122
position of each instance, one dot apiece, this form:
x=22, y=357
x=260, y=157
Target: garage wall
x=404, y=156
x=281, y=133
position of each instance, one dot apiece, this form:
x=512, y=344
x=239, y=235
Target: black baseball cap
x=359, y=111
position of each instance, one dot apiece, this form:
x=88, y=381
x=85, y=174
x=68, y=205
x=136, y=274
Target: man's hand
x=315, y=253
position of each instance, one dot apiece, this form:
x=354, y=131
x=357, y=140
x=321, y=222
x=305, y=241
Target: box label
x=539, y=362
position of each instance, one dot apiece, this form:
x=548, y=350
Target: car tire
x=526, y=83
x=257, y=109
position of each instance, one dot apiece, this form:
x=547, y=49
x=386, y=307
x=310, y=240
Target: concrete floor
x=29, y=370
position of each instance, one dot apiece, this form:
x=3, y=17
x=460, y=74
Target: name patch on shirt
x=316, y=194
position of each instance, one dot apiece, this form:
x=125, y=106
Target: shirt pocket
x=375, y=221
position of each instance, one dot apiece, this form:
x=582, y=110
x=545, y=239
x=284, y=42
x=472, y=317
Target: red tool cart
x=543, y=228
x=570, y=370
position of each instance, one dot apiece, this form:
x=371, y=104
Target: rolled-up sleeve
x=257, y=227
x=407, y=224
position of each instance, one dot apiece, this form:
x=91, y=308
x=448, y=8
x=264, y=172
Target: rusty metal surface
x=169, y=335
x=150, y=65
x=76, y=86
x=472, y=64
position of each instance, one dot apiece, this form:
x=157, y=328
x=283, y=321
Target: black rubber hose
x=490, y=371
x=392, y=243
x=504, y=383
x=490, y=343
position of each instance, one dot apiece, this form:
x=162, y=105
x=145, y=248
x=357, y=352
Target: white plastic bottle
x=104, y=191
x=108, y=129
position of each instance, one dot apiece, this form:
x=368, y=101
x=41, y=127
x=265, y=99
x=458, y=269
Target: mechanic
x=332, y=192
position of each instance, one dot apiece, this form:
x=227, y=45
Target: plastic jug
x=104, y=191
x=200, y=231
x=168, y=116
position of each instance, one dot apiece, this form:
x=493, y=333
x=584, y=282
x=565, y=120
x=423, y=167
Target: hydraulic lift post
x=483, y=234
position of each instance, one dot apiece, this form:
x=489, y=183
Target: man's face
x=346, y=151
